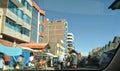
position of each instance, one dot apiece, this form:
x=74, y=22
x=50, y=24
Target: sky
x=91, y=22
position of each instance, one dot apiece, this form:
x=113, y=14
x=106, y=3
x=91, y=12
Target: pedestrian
x=68, y=61
x=89, y=59
x=1, y=62
x=79, y=57
x=73, y=59
x=20, y=61
x=31, y=60
x=60, y=61
x=64, y=62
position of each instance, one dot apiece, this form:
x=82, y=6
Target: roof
x=35, y=45
x=10, y=50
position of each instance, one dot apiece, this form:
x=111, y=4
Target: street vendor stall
x=38, y=49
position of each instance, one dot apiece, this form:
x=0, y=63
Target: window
x=70, y=42
x=41, y=18
x=27, y=5
x=12, y=7
x=34, y=25
x=85, y=26
x=26, y=18
x=18, y=28
x=25, y=31
x=10, y=23
x=41, y=29
x=20, y=14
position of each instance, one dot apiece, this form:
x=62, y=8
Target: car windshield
x=58, y=34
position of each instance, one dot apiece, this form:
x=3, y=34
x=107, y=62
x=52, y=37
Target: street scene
x=41, y=35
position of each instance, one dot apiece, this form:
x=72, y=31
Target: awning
x=50, y=54
x=11, y=51
x=33, y=50
x=35, y=45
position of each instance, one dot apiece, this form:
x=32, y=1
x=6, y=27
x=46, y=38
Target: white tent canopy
x=50, y=54
x=25, y=48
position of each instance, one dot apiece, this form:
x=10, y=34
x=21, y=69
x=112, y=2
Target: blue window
x=18, y=28
x=41, y=28
x=41, y=18
x=26, y=18
x=12, y=7
x=20, y=14
x=10, y=23
x=27, y=5
x=34, y=25
x=25, y=31
x=70, y=45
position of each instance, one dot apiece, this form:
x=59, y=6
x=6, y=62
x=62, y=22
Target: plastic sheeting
x=26, y=55
x=10, y=50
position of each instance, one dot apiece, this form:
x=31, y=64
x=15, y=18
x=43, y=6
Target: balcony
x=26, y=25
x=25, y=38
x=16, y=2
x=11, y=15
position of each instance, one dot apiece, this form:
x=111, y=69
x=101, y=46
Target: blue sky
x=91, y=22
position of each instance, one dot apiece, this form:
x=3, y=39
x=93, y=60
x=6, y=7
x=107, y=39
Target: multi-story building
x=15, y=20
x=38, y=24
x=55, y=32
x=70, y=42
x=70, y=39
x=110, y=46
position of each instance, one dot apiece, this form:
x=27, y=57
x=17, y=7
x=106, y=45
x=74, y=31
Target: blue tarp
x=10, y=50
x=26, y=55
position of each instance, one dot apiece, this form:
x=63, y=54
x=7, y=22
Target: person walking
x=60, y=61
x=73, y=59
x=79, y=57
x=68, y=62
x=20, y=61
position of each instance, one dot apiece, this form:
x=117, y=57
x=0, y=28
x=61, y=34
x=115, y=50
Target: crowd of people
x=73, y=60
x=69, y=61
x=35, y=62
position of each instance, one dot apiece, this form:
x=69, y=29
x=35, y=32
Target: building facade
x=56, y=31
x=15, y=20
x=38, y=24
x=70, y=39
x=110, y=46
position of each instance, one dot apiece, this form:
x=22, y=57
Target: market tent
x=50, y=54
x=33, y=50
x=35, y=45
x=11, y=51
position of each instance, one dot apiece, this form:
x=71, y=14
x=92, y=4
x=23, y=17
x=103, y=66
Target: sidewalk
x=50, y=68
